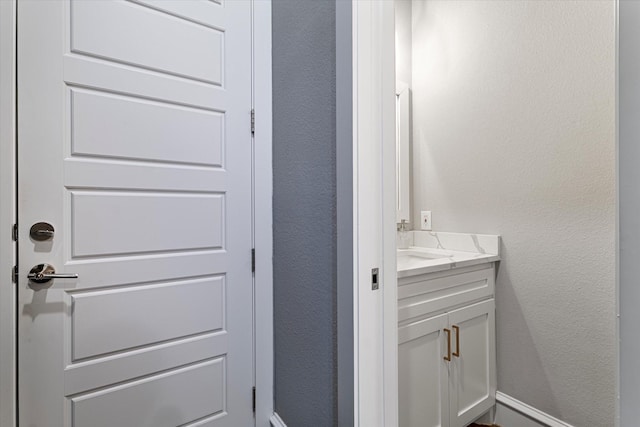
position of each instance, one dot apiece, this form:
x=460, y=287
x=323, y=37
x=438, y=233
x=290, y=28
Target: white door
x=135, y=145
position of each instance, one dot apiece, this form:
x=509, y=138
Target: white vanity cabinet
x=446, y=354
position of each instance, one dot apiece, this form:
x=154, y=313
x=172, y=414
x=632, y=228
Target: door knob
x=42, y=273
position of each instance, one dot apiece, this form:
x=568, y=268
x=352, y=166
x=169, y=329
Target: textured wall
x=629, y=173
x=514, y=134
x=403, y=41
x=304, y=211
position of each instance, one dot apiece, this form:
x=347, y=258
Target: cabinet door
x=472, y=378
x=423, y=374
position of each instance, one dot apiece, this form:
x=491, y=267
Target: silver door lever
x=42, y=273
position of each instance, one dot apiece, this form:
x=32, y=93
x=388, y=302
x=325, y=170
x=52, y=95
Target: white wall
x=514, y=134
x=505, y=416
x=403, y=40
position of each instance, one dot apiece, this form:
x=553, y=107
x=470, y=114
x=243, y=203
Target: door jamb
x=8, y=396
x=374, y=237
x=263, y=213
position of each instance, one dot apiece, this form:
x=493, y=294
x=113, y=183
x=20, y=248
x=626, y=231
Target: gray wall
x=629, y=187
x=304, y=203
x=514, y=134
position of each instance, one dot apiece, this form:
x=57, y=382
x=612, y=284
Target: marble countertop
x=429, y=252
x=416, y=260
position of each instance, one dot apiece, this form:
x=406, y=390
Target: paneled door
x=135, y=172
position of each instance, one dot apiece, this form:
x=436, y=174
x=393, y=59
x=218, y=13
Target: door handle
x=457, y=352
x=42, y=273
x=448, y=356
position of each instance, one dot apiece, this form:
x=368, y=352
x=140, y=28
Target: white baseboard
x=542, y=418
x=504, y=401
x=276, y=421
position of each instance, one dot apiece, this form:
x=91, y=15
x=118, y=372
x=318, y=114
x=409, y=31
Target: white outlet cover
x=425, y=220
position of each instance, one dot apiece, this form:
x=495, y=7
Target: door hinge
x=253, y=121
x=253, y=398
x=14, y=233
x=253, y=260
x=14, y=274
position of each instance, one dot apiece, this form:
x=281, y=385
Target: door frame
x=374, y=214
x=262, y=212
x=8, y=297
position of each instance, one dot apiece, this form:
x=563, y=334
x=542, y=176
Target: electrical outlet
x=425, y=220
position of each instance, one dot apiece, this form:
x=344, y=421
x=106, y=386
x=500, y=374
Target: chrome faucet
x=403, y=225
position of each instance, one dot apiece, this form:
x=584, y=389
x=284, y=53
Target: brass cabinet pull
x=457, y=352
x=448, y=356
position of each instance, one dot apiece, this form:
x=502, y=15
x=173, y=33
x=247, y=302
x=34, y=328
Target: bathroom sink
x=408, y=258
x=409, y=253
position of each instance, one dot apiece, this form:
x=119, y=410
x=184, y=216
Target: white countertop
x=429, y=252
x=416, y=260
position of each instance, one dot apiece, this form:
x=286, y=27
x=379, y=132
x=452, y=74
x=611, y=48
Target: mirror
x=403, y=138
